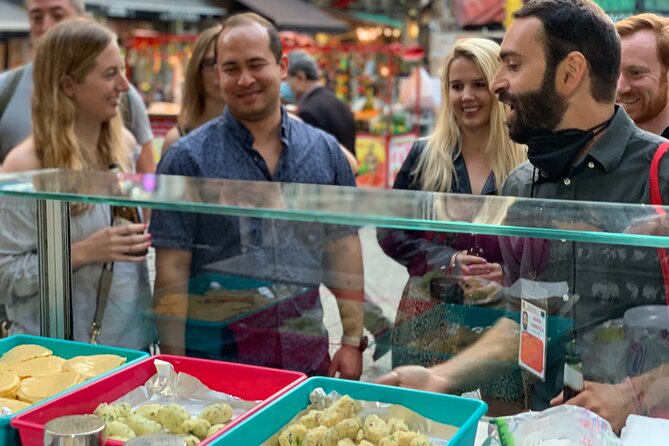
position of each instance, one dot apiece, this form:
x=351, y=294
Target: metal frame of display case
x=55, y=268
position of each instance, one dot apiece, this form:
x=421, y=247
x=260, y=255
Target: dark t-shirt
x=322, y=109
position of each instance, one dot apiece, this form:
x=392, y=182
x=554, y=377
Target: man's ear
x=571, y=73
x=283, y=67
x=68, y=86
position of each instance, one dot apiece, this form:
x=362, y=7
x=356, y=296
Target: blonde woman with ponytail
x=78, y=82
x=470, y=152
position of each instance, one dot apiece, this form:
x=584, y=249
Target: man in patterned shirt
x=255, y=140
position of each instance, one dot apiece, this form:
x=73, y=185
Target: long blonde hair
x=70, y=49
x=436, y=162
x=193, y=103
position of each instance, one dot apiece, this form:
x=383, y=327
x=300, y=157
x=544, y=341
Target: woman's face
x=99, y=95
x=209, y=75
x=469, y=95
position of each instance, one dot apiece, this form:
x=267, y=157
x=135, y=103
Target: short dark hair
x=301, y=61
x=247, y=18
x=579, y=25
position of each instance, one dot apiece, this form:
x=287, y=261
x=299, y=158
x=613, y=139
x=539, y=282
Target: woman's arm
x=170, y=138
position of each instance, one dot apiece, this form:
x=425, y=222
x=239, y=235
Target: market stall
x=382, y=85
x=156, y=64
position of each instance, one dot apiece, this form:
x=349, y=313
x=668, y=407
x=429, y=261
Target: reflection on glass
x=256, y=268
x=555, y=219
x=124, y=319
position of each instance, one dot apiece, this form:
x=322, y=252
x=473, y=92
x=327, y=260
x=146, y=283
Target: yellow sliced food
x=94, y=365
x=13, y=405
x=9, y=383
x=24, y=352
x=47, y=365
x=38, y=388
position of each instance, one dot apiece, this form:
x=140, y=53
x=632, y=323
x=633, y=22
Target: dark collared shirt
x=423, y=251
x=223, y=148
x=406, y=179
x=608, y=278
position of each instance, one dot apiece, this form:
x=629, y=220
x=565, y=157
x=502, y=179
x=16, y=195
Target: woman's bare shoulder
x=171, y=137
x=128, y=139
x=21, y=158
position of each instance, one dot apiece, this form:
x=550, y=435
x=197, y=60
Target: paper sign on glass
x=532, y=351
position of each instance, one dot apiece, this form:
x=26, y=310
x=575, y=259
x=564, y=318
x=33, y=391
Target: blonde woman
x=469, y=152
x=202, y=100
x=79, y=80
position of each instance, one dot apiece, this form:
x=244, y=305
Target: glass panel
x=258, y=273
x=468, y=320
x=129, y=298
x=623, y=224
x=19, y=265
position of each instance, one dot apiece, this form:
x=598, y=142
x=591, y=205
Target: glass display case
x=496, y=292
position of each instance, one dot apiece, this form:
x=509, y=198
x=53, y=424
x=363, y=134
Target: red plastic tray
x=243, y=381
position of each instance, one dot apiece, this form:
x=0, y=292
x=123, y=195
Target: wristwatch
x=359, y=342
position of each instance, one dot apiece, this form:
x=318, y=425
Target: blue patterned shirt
x=223, y=148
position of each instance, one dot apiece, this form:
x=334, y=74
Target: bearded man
x=560, y=68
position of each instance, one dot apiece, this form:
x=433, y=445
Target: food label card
x=532, y=350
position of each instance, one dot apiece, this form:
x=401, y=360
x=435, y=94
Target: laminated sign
x=532, y=349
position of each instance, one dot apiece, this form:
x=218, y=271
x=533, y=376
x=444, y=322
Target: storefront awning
x=377, y=19
x=296, y=15
x=13, y=18
x=168, y=9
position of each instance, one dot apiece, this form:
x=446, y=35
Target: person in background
x=16, y=88
x=316, y=105
x=469, y=152
x=644, y=73
x=202, y=99
x=559, y=73
x=255, y=140
x=79, y=80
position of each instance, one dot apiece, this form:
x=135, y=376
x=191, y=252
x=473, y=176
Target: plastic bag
x=563, y=425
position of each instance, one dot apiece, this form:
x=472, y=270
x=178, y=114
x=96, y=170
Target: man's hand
x=613, y=402
x=348, y=362
x=657, y=225
x=414, y=377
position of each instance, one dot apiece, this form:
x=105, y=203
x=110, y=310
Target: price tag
x=532, y=350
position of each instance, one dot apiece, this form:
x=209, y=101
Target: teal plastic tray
x=66, y=350
x=448, y=409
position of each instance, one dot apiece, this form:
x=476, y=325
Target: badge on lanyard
x=532, y=349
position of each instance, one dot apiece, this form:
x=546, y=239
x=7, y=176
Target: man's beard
x=659, y=103
x=537, y=111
